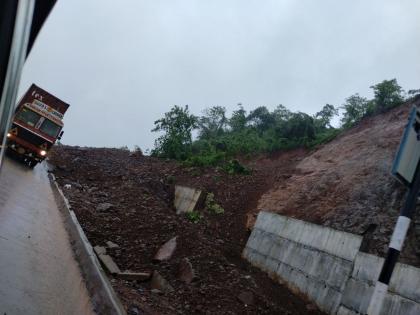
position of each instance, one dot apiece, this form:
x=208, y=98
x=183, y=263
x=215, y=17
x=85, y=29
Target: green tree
x=413, y=93
x=355, y=108
x=177, y=125
x=213, y=122
x=388, y=94
x=324, y=116
x=261, y=119
x=300, y=126
x=237, y=121
x=281, y=113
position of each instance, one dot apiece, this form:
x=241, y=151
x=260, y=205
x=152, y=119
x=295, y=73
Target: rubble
x=111, y=244
x=103, y=207
x=186, y=271
x=166, y=251
x=160, y=283
x=143, y=217
x=109, y=264
x=246, y=297
x=99, y=250
x=139, y=276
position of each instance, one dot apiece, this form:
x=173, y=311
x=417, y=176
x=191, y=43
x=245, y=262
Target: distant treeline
x=243, y=133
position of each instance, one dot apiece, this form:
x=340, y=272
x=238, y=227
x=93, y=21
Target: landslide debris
x=346, y=184
x=127, y=199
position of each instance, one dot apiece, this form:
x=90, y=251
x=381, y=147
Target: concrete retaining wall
x=326, y=265
x=403, y=297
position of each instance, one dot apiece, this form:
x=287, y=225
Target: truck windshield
x=27, y=116
x=50, y=128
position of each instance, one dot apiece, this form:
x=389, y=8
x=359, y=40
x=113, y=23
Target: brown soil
x=347, y=184
x=143, y=218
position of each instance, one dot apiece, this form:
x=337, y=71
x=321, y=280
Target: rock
x=99, y=250
x=109, y=264
x=92, y=189
x=105, y=206
x=77, y=185
x=186, y=271
x=76, y=159
x=102, y=194
x=246, y=297
x=166, y=251
x=139, y=276
x=311, y=307
x=111, y=244
x=156, y=291
x=160, y=283
x=67, y=186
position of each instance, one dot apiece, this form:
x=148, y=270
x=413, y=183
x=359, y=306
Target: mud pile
x=127, y=199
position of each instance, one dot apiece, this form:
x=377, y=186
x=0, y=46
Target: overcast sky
x=122, y=64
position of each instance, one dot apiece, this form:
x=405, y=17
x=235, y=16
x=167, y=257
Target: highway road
x=38, y=271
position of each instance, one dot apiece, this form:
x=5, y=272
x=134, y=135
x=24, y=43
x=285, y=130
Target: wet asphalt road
x=38, y=272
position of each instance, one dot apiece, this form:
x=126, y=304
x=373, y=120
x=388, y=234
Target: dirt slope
x=142, y=218
x=346, y=184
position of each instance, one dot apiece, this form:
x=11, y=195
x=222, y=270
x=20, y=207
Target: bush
x=194, y=216
x=234, y=167
x=202, y=160
x=212, y=206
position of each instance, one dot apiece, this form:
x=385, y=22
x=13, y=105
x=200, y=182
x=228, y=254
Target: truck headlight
x=43, y=153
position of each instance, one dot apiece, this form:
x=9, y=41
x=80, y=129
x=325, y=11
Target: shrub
x=194, y=216
x=212, y=206
x=234, y=167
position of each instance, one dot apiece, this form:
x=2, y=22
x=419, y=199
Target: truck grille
x=30, y=137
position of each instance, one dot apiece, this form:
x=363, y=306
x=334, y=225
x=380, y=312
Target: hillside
x=346, y=184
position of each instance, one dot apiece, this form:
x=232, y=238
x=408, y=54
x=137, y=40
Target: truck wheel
x=32, y=163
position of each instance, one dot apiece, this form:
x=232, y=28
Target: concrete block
x=367, y=267
x=271, y=265
x=405, y=281
x=357, y=295
x=139, y=276
x=254, y=239
x=342, y=310
x=338, y=243
x=397, y=305
x=255, y=258
x=109, y=264
x=326, y=265
x=265, y=244
x=270, y=222
x=99, y=250
x=327, y=298
x=331, y=269
x=186, y=198
x=342, y=244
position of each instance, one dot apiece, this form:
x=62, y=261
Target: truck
x=36, y=125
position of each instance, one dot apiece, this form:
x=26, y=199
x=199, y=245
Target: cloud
x=122, y=66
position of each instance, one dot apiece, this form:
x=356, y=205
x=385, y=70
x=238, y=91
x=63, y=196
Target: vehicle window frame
x=49, y=121
x=25, y=122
